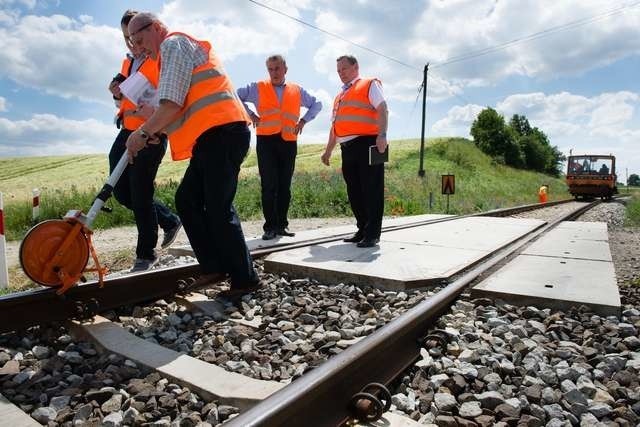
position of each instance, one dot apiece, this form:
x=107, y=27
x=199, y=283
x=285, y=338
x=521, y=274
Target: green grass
x=71, y=182
x=633, y=211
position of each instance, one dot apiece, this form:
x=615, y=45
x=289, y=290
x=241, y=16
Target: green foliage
x=517, y=144
x=634, y=180
x=317, y=190
x=491, y=134
x=633, y=211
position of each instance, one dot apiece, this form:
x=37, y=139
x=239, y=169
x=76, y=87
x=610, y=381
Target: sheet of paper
x=138, y=90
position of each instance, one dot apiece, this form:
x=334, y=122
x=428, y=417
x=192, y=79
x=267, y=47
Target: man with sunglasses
x=135, y=188
x=206, y=123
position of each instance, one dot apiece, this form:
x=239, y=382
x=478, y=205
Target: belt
x=349, y=142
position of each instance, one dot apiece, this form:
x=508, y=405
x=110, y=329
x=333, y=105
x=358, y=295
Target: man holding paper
x=207, y=124
x=359, y=125
x=134, y=87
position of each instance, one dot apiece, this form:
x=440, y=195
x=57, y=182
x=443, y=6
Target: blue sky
x=571, y=67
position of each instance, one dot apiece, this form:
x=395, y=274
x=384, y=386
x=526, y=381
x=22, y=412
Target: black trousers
x=365, y=185
x=276, y=163
x=135, y=190
x=204, y=200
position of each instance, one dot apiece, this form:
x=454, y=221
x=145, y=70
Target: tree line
x=516, y=144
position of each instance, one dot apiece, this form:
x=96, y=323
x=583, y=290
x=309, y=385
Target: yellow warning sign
x=448, y=184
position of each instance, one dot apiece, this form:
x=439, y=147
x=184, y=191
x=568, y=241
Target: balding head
x=147, y=32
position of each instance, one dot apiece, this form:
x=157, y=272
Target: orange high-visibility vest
x=131, y=119
x=542, y=194
x=127, y=64
x=211, y=101
x=353, y=113
x=276, y=118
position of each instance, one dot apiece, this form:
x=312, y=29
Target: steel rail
x=28, y=308
x=320, y=397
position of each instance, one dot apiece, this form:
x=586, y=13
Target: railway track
x=36, y=307
x=322, y=394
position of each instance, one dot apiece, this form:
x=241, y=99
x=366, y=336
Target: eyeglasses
x=139, y=39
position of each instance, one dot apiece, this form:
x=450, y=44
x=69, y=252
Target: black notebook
x=376, y=157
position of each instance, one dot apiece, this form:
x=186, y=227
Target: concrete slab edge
x=536, y=301
x=210, y=381
x=13, y=416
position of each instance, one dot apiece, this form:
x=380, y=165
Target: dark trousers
x=276, y=162
x=135, y=190
x=365, y=185
x=204, y=201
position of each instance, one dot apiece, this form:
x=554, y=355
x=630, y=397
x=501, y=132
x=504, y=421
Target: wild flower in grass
x=397, y=208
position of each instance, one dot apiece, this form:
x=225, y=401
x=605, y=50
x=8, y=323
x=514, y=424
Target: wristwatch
x=144, y=134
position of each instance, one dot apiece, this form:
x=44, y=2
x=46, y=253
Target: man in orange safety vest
x=278, y=124
x=359, y=122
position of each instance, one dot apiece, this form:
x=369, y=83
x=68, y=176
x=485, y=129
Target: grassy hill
x=71, y=182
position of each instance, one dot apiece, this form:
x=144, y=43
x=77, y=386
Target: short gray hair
x=276, y=58
x=145, y=18
x=350, y=58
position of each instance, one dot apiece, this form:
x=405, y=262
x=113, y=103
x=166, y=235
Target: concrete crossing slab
x=569, y=266
x=256, y=242
x=407, y=258
x=557, y=283
x=583, y=230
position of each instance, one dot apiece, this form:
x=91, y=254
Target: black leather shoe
x=367, y=243
x=285, y=232
x=355, y=238
x=269, y=235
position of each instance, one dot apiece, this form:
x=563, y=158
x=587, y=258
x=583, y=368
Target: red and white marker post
x=36, y=205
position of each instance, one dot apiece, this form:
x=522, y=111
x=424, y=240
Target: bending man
x=206, y=123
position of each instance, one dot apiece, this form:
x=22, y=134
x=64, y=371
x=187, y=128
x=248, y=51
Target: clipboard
x=376, y=157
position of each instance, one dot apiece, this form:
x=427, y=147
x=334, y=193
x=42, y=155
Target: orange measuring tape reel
x=55, y=253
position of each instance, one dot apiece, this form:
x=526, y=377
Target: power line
x=300, y=21
x=537, y=35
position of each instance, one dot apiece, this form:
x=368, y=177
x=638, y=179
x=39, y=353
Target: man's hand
x=325, y=157
x=135, y=143
x=298, y=129
x=254, y=120
x=145, y=111
x=381, y=142
x=114, y=88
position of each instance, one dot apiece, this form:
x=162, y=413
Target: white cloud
x=3, y=104
x=61, y=56
x=458, y=121
x=455, y=28
x=29, y=4
x=421, y=32
x=600, y=124
x=48, y=134
x=236, y=28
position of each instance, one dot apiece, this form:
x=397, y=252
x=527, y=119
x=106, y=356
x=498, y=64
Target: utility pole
x=424, y=108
